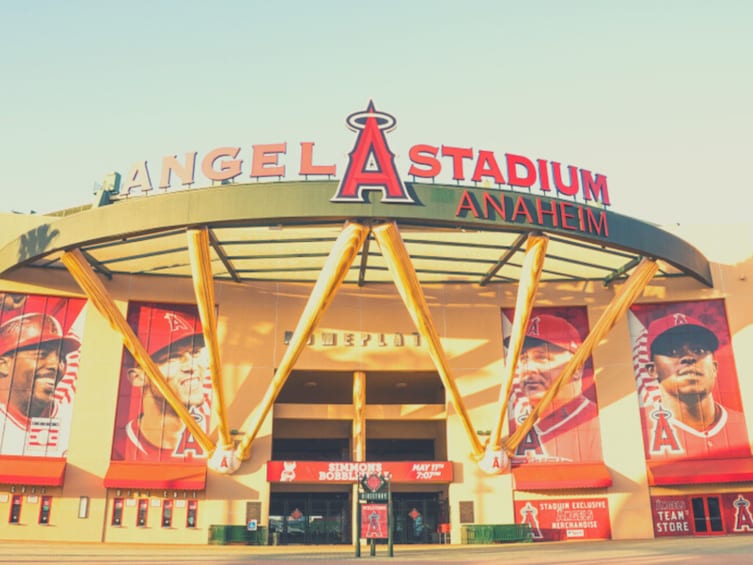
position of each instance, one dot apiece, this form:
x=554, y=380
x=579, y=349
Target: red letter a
x=372, y=164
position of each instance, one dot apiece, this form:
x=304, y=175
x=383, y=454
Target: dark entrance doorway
x=417, y=516
x=707, y=515
x=310, y=518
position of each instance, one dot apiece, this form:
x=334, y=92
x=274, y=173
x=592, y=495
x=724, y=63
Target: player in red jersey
x=687, y=421
x=158, y=434
x=33, y=353
x=568, y=429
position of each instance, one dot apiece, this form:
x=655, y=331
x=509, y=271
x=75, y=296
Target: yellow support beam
x=405, y=278
x=529, y=284
x=359, y=416
x=203, y=284
x=633, y=287
x=339, y=261
x=84, y=275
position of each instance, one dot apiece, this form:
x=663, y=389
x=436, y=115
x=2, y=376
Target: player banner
x=352, y=472
x=687, y=381
x=40, y=339
x=568, y=429
x=576, y=518
x=146, y=426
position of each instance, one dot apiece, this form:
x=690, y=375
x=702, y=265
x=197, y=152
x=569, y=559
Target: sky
x=654, y=94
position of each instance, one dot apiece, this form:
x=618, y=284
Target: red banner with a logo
x=351, y=471
x=574, y=518
x=374, y=521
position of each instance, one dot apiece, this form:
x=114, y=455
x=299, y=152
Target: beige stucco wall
x=252, y=319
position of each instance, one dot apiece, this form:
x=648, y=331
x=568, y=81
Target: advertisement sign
x=40, y=339
x=730, y=513
x=672, y=516
x=374, y=521
x=374, y=487
x=353, y=472
x=568, y=429
x=577, y=518
x=146, y=426
x=687, y=381
x=738, y=512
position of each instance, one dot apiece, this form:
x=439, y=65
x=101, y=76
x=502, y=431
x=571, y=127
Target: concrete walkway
x=727, y=550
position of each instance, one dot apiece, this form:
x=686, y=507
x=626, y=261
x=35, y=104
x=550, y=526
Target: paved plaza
x=729, y=550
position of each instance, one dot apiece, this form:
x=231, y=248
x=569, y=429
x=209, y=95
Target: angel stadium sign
x=371, y=168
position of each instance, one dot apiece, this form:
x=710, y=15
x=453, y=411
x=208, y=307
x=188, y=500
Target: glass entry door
x=416, y=517
x=707, y=515
x=309, y=518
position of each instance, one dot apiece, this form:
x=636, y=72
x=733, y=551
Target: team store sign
x=675, y=516
x=371, y=167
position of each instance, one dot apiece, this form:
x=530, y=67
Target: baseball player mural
x=147, y=428
x=686, y=381
x=39, y=353
x=568, y=429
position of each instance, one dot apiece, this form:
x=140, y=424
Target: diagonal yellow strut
x=82, y=272
x=203, y=284
x=406, y=281
x=633, y=287
x=333, y=273
x=529, y=284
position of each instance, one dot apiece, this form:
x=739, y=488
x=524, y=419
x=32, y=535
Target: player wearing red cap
x=33, y=353
x=176, y=345
x=688, y=421
x=567, y=430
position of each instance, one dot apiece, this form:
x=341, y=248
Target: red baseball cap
x=34, y=329
x=551, y=329
x=159, y=328
x=681, y=326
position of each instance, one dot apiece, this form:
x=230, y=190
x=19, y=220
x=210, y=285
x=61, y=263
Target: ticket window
x=167, y=513
x=44, y=510
x=193, y=507
x=142, y=512
x=117, y=512
x=15, y=509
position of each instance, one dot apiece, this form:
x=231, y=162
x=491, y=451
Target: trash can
x=261, y=537
x=444, y=533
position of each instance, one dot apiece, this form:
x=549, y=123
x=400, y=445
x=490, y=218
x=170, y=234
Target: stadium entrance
x=309, y=518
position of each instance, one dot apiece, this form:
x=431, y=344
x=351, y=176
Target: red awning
x=561, y=476
x=26, y=470
x=694, y=472
x=134, y=474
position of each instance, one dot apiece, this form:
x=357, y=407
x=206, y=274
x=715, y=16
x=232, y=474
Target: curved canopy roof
x=284, y=231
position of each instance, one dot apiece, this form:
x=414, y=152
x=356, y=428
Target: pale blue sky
x=654, y=94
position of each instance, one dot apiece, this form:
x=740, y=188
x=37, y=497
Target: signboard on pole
x=374, y=521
